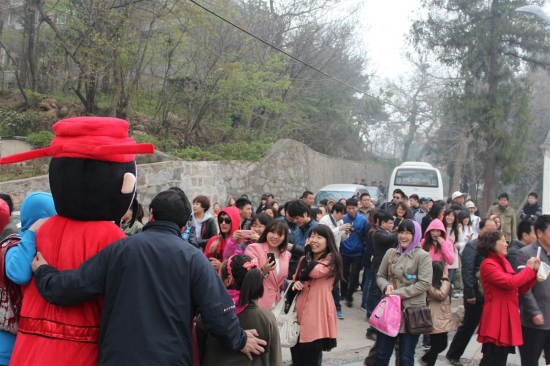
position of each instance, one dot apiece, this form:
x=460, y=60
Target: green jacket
x=507, y=220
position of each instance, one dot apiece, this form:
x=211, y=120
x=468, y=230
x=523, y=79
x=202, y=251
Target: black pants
x=496, y=357
x=336, y=296
x=352, y=267
x=301, y=357
x=534, y=341
x=375, y=295
x=438, y=345
x=472, y=315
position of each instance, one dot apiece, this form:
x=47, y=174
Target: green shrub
x=24, y=123
x=39, y=140
x=253, y=151
x=195, y=153
x=141, y=138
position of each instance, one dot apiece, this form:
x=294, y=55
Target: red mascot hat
x=96, y=138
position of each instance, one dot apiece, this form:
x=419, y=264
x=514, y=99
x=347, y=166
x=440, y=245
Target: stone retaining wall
x=288, y=169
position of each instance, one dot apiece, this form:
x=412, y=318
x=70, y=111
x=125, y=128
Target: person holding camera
x=352, y=250
x=273, y=260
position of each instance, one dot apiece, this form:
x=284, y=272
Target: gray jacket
x=412, y=291
x=536, y=301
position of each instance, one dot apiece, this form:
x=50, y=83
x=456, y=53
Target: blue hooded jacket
x=37, y=205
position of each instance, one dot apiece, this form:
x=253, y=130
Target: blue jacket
x=354, y=246
x=37, y=205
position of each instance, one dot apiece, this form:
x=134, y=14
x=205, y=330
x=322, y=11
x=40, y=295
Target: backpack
x=10, y=293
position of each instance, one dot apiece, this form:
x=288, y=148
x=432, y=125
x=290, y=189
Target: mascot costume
x=93, y=181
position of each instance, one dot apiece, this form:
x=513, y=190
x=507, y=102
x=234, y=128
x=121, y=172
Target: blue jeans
x=375, y=295
x=452, y=273
x=336, y=296
x=367, y=278
x=385, y=345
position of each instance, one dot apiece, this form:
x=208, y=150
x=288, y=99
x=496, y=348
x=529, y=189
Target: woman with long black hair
x=317, y=272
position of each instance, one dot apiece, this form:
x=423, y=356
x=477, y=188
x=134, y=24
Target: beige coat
x=412, y=291
x=440, y=306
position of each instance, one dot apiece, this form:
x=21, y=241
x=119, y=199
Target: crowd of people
x=198, y=282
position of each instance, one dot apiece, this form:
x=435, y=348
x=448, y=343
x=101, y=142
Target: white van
x=337, y=191
x=419, y=178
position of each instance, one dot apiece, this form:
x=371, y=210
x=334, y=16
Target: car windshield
x=373, y=191
x=332, y=195
x=413, y=177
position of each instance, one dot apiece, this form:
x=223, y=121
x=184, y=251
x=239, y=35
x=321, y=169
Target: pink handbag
x=386, y=317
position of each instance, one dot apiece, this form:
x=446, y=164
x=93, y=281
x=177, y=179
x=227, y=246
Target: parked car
x=375, y=195
x=338, y=191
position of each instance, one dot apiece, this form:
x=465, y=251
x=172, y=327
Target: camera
x=351, y=229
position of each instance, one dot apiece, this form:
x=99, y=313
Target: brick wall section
x=288, y=169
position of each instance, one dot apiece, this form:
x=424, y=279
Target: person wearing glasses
x=228, y=222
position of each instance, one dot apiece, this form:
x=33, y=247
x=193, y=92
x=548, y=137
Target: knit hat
x=95, y=138
x=470, y=204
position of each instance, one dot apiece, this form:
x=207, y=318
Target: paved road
x=353, y=346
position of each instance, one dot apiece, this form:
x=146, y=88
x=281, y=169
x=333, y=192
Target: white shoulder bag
x=289, y=329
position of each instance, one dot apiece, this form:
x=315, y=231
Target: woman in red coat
x=500, y=327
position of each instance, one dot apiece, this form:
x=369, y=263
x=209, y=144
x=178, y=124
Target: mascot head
x=93, y=168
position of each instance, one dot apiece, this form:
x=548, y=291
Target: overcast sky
x=383, y=28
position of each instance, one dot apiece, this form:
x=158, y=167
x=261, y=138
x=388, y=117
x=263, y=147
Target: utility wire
x=284, y=52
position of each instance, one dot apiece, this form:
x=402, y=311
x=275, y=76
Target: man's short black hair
x=504, y=195
x=384, y=217
x=414, y=197
x=306, y=193
x=338, y=207
x=171, y=206
x=456, y=207
x=8, y=200
x=532, y=194
x=271, y=195
x=542, y=223
x=398, y=191
x=483, y=222
x=364, y=195
x=297, y=208
x=524, y=227
x=352, y=202
x=241, y=202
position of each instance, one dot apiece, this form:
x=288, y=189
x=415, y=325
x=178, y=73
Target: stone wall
x=288, y=169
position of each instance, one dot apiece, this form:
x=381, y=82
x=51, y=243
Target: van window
x=418, y=178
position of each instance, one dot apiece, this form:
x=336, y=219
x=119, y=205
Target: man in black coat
x=154, y=284
x=473, y=299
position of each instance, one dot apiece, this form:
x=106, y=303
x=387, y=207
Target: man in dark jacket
x=383, y=239
x=154, y=284
x=526, y=236
x=298, y=212
x=531, y=210
x=473, y=299
x=535, y=304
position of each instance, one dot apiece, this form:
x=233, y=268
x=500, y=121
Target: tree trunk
x=459, y=164
x=31, y=44
x=492, y=81
x=117, y=80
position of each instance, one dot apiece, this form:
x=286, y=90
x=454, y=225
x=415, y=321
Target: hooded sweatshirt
x=447, y=252
x=198, y=224
x=37, y=205
x=233, y=213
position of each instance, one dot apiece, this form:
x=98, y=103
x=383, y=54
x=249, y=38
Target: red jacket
x=500, y=323
x=233, y=213
x=63, y=335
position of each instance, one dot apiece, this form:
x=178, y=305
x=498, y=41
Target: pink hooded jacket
x=447, y=252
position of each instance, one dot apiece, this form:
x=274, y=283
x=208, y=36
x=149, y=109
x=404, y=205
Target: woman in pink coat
x=436, y=243
x=317, y=271
x=274, y=239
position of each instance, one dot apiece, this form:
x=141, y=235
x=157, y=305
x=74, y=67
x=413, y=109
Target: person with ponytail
x=318, y=270
x=243, y=279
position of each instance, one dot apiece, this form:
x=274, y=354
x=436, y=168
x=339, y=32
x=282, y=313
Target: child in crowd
x=244, y=282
